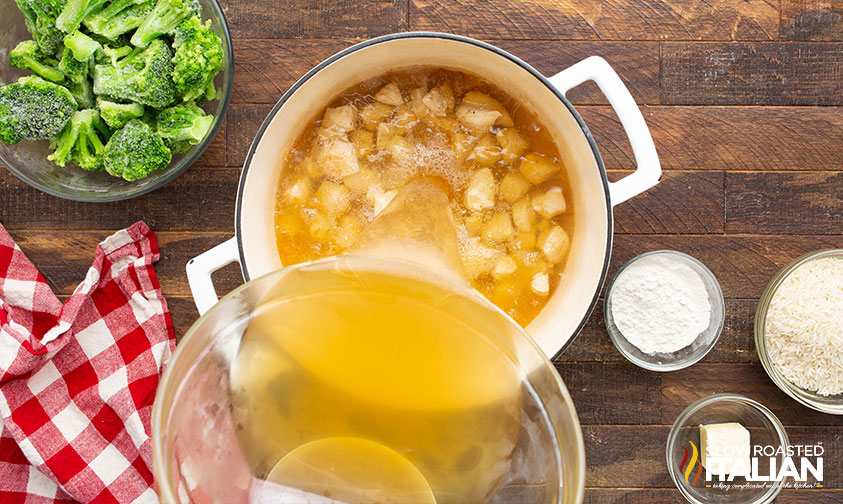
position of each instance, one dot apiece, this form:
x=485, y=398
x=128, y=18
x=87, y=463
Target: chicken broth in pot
x=509, y=192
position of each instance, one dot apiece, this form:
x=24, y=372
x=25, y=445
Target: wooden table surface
x=743, y=98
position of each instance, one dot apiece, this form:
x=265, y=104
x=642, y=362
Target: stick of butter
x=728, y=443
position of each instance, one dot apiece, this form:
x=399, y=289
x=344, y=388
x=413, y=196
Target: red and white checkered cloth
x=77, y=381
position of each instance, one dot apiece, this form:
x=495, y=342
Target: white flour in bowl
x=660, y=304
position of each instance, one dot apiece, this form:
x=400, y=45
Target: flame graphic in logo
x=690, y=467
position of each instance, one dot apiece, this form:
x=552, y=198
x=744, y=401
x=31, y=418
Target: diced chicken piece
x=473, y=223
x=462, y=144
x=404, y=119
x=374, y=113
x=477, y=258
x=333, y=198
x=484, y=101
x=348, y=229
x=530, y=260
x=478, y=120
x=523, y=216
x=390, y=95
x=361, y=181
x=504, y=266
x=498, y=229
x=512, y=143
x=537, y=168
x=447, y=124
x=540, y=284
x=384, y=134
x=326, y=135
x=364, y=141
x=480, y=193
x=340, y=118
x=439, y=100
x=550, y=204
x=401, y=150
x=301, y=191
x=525, y=240
x=338, y=159
x=554, y=244
x=311, y=167
x=378, y=198
x=513, y=187
x=321, y=227
x=486, y=152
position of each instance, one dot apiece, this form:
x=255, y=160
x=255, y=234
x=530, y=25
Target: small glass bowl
x=686, y=356
x=826, y=404
x=28, y=160
x=764, y=430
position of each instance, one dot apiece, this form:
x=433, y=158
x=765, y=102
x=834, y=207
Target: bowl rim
x=699, y=404
x=664, y=367
x=795, y=392
x=185, y=163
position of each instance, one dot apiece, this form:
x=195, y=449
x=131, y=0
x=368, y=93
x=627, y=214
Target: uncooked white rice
x=804, y=327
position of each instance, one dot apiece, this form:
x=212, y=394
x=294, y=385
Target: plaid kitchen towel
x=77, y=381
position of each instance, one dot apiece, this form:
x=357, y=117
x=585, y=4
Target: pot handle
x=649, y=170
x=200, y=268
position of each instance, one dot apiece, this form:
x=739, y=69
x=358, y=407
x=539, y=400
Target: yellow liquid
x=421, y=378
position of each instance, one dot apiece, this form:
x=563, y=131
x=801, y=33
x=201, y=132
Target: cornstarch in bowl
x=664, y=310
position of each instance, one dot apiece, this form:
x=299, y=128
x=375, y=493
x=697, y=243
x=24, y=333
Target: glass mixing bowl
x=198, y=434
x=826, y=404
x=28, y=159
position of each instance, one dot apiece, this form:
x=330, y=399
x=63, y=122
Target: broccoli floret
x=82, y=141
x=74, y=12
x=145, y=76
x=78, y=83
x=183, y=123
x=118, y=17
x=28, y=56
x=135, y=151
x=116, y=115
x=164, y=18
x=198, y=58
x=112, y=54
x=33, y=108
x=40, y=18
x=83, y=46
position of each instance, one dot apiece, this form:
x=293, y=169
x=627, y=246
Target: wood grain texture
x=265, y=69
x=670, y=496
x=315, y=19
x=820, y=20
x=757, y=202
x=752, y=73
x=614, y=20
x=727, y=138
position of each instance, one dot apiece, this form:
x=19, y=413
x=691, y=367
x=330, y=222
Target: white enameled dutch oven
x=594, y=196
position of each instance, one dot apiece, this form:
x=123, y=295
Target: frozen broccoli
x=33, y=108
x=197, y=60
x=40, y=18
x=74, y=12
x=118, y=17
x=183, y=123
x=112, y=54
x=135, y=151
x=163, y=19
x=83, y=46
x=116, y=115
x=77, y=79
x=28, y=56
x=82, y=141
x=145, y=77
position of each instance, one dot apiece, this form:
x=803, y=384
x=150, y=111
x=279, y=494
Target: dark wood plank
x=812, y=20
x=197, y=200
x=672, y=496
x=736, y=343
x=618, y=20
x=784, y=202
x=752, y=73
x=264, y=69
x=683, y=202
x=244, y=121
x=743, y=264
x=319, y=19
x=727, y=138
x=214, y=155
